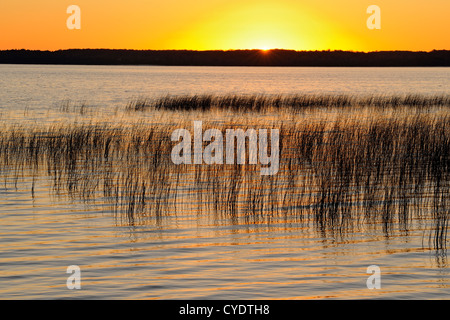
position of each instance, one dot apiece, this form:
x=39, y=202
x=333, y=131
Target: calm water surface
x=189, y=255
x=38, y=88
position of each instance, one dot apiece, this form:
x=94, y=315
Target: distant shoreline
x=270, y=58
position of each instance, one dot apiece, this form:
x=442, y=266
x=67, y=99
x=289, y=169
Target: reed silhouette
x=260, y=103
x=388, y=171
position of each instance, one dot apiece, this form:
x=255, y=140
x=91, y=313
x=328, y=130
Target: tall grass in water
x=388, y=171
x=273, y=102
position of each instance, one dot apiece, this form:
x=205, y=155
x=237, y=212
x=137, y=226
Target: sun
x=263, y=44
x=252, y=27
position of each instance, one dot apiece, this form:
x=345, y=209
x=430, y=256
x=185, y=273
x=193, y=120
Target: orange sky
x=226, y=24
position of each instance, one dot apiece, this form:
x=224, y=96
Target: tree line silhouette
x=275, y=57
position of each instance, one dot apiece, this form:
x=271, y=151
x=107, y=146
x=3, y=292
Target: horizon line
x=227, y=50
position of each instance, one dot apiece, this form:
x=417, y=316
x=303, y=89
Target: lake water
x=37, y=87
x=191, y=254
